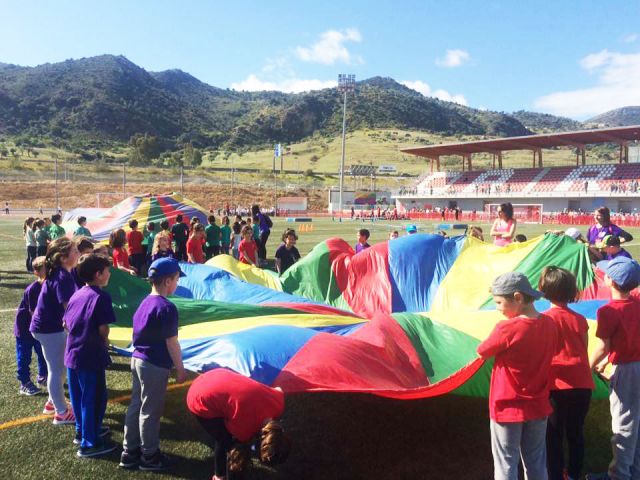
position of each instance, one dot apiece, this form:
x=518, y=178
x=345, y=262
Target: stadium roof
x=577, y=139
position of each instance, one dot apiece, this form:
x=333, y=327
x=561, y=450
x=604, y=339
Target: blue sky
x=572, y=58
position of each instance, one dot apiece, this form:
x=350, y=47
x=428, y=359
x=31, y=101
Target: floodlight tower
x=346, y=84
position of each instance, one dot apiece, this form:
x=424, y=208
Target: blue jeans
x=24, y=346
x=88, y=393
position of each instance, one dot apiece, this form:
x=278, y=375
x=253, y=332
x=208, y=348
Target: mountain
x=620, y=117
x=109, y=98
x=543, y=122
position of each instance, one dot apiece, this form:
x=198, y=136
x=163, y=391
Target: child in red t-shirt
x=618, y=335
x=570, y=372
x=248, y=249
x=234, y=408
x=117, y=241
x=523, y=346
x=134, y=244
x=195, y=253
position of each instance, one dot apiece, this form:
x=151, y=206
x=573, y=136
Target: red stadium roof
x=577, y=139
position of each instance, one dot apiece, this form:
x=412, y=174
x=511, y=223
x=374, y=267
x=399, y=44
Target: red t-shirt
x=619, y=321
x=120, y=258
x=194, y=247
x=243, y=403
x=570, y=366
x=248, y=249
x=520, y=381
x=134, y=241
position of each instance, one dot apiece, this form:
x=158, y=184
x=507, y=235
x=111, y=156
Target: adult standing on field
x=265, y=231
x=503, y=229
x=602, y=228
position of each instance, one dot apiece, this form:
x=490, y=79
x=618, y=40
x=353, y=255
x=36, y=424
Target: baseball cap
x=573, y=233
x=412, y=229
x=611, y=241
x=512, y=282
x=622, y=270
x=163, y=267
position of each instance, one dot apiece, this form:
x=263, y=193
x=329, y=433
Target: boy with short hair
x=87, y=319
x=180, y=234
x=24, y=340
x=618, y=332
x=523, y=346
x=156, y=350
x=82, y=230
x=612, y=248
x=363, y=236
x=134, y=245
x=212, y=233
x=287, y=254
x=84, y=246
x=55, y=229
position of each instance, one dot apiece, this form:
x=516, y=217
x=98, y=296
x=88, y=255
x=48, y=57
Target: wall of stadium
x=623, y=203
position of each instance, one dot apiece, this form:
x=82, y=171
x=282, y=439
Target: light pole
x=346, y=83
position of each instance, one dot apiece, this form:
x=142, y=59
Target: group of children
x=542, y=381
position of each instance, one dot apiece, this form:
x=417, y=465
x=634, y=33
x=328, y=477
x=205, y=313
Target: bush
x=309, y=172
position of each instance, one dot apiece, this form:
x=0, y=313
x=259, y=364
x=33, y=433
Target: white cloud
x=632, y=37
x=290, y=85
x=426, y=90
x=454, y=58
x=618, y=85
x=330, y=48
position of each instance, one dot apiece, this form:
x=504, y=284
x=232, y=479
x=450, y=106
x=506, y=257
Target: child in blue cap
x=156, y=351
x=618, y=334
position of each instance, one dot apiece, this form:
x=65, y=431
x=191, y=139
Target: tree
x=143, y=149
x=192, y=156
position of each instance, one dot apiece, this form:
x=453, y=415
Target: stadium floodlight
x=346, y=84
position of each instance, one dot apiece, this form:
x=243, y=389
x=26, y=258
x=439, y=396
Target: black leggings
x=221, y=442
x=262, y=244
x=570, y=409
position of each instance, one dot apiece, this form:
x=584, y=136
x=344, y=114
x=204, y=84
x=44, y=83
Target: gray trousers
x=512, y=441
x=53, y=345
x=624, y=399
x=142, y=422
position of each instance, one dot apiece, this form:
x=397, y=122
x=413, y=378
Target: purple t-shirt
x=26, y=309
x=596, y=234
x=154, y=322
x=76, y=278
x=361, y=246
x=162, y=254
x=56, y=290
x=88, y=309
x=621, y=253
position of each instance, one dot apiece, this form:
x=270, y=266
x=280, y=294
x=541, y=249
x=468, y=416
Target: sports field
x=335, y=435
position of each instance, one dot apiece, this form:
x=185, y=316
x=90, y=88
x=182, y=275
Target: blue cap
x=412, y=229
x=622, y=270
x=163, y=267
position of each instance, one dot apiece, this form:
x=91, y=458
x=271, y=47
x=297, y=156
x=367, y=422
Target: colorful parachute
x=144, y=209
x=402, y=319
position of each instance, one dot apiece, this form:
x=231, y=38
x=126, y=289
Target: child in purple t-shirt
x=46, y=323
x=156, y=350
x=363, y=236
x=25, y=342
x=87, y=318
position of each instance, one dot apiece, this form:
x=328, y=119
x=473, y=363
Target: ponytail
x=57, y=251
x=274, y=448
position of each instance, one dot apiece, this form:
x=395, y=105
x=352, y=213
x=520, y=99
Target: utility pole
x=181, y=179
x=346, y=83
x=56, y=184
x=124, y=180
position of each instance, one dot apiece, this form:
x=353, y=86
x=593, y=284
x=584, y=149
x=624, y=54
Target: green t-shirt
x=150, y=239
x=56, y=231
x=82, y=231
x=180, y=232
x=225, y=230
x=213, y=235
x=256, y=231
x=41, y=237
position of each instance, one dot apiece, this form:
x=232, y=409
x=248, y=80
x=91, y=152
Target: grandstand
x=579, y=187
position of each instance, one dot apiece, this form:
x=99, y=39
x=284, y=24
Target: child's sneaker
x=41, y=381
x=65, y=418
x=104, y=448
x=104, y=431
x=129, y=459
x=155, y=462
x=29, y=389
x=49, y=409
